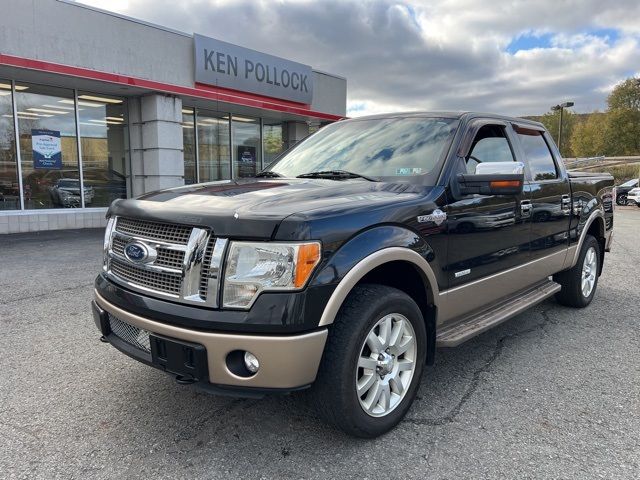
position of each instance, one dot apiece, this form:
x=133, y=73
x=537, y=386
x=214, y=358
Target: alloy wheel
x=589, y=272
x=386, y=365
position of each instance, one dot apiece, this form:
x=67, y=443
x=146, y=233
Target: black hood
x=253, y=208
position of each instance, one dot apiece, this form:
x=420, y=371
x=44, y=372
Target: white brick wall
x=35, y=221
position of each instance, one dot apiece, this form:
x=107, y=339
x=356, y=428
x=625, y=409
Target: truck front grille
x=178, y=266
x=170, y=283
x=166, y=257
x=134, y=336
x=155, y=231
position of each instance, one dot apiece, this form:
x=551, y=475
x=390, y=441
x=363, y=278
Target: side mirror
x=493, y=178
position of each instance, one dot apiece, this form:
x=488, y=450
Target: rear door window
x=537, y=155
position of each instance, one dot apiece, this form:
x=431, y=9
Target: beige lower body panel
x=285, y=361
x=463, y=300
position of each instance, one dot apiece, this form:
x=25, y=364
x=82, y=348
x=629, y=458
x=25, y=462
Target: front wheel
x=622, y=199
x=580, y=282
x=373, y=361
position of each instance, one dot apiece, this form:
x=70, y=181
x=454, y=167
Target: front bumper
x=286, y=362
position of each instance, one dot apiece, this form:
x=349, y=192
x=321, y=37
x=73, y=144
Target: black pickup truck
x=344, y=265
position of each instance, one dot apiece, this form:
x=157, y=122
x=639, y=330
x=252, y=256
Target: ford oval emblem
x=136, y=252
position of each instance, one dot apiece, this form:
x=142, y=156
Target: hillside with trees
x=614, y=132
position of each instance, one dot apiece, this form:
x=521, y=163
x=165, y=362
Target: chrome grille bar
x=192, y=264
x=211, y=277
x=185, y=271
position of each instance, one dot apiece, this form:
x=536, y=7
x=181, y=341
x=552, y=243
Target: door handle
x=566, y=202
x=525, y=208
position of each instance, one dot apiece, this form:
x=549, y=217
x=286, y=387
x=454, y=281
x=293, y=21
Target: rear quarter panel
x=591, y=192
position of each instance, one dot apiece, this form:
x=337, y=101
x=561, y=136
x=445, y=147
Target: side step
x=469, y=327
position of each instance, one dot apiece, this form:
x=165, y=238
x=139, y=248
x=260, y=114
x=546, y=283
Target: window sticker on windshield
x=408, y=171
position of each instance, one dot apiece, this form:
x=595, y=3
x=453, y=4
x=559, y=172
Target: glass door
x=214, y=154
x=247, y=147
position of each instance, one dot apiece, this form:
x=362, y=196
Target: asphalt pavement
x=553, y=393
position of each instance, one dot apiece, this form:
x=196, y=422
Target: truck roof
x=450, y=114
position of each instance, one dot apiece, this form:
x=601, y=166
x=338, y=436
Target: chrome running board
x=472, y=325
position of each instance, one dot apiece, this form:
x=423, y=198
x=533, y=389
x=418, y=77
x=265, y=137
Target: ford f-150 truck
x=345, y=264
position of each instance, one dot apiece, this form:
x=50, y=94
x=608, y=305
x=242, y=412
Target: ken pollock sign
x=226, y=65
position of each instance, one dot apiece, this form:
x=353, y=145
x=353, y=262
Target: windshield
x=381, y=147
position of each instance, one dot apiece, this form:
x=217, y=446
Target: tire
x=369, y=309
x=621, y=199
x=574, y=293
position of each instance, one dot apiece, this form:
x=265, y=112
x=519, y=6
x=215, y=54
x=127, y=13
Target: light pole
x=561, y=107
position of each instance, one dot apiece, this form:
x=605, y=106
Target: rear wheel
x=622, y=199
x=580, y=282
x=371, y=367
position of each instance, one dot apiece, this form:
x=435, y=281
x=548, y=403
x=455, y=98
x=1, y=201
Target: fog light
x=251, y=362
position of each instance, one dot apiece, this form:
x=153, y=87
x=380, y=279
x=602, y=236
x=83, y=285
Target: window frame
x=560, y=175
x=475, y=129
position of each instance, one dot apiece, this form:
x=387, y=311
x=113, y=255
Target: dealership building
x=113, y=107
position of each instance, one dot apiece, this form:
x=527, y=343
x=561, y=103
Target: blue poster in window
x=46, y=147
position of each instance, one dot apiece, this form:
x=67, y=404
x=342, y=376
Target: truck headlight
x=111, y=222
x=253, y=267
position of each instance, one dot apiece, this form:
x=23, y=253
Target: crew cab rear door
x=550, y=193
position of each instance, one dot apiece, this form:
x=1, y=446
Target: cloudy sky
x=513, y=57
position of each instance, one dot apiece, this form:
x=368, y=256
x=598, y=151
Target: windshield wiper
x=335, y=174
x=268, y=173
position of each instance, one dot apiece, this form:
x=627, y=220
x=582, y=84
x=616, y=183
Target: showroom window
x=9, y=187
x=49, y=120
x=48, y=147
x=103, y=128
x=247, y=146
x=189, y=146
x=272, y=140
x=214, y=154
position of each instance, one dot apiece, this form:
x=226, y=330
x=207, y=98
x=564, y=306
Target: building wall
x=61, y=32
x=329, y=94
x=34, y=221
x=155, y=140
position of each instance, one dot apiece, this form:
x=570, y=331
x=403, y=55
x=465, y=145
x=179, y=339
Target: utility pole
x=561, y=107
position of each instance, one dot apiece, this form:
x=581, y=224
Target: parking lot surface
x=553, y=393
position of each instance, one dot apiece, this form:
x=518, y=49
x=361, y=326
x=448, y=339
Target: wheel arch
x=594, y=225
x=380, y=267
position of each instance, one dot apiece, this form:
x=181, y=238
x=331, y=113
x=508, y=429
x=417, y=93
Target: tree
x=551, y=121
x=623, y=119
x=625, y=95
x=588, y=138
x=623, y=132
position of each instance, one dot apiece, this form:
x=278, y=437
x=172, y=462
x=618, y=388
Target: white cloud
x=436, y=55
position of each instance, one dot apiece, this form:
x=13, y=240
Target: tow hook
x=103, y=339
x=185, y=380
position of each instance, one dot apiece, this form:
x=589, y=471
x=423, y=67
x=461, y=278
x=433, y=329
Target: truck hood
x=253, y=208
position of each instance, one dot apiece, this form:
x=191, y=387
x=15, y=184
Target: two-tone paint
x=383, y=232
